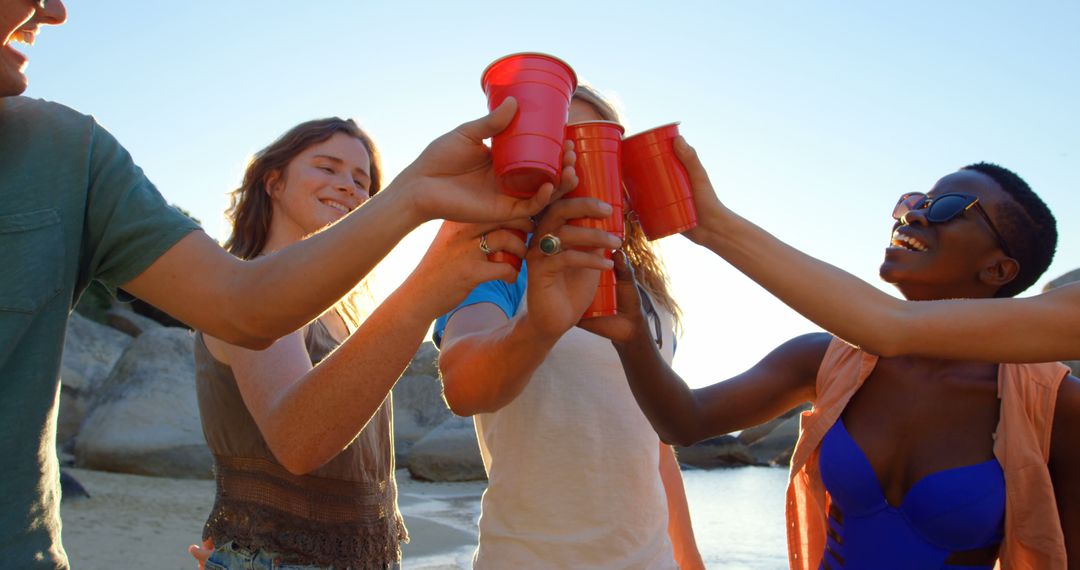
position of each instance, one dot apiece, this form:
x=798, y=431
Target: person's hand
x=708, y=205
x=202, y=553
x=454, y=264
x=562, y=285
x=629, y=322
x=454, y=177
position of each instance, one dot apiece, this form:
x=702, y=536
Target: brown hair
x=250, y=208
x=650, y=270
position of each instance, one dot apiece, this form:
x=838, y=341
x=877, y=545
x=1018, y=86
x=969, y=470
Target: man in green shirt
x=74, y=208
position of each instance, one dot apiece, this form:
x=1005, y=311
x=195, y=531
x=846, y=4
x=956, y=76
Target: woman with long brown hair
x=577, y=478
x=301, y=431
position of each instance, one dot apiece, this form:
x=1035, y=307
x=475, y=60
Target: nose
x=54, y=14
x=347, y=186
x=914, y=217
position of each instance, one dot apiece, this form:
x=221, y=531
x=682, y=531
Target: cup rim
x=622, y=129
x=560, y=61
x=657, y=128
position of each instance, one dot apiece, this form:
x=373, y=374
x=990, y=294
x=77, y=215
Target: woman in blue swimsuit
x=905, y=449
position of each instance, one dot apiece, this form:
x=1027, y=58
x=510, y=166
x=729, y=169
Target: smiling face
x=319, y=187
x=20, y=22
x=959, y=258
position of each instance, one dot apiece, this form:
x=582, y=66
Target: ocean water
x=738, y=517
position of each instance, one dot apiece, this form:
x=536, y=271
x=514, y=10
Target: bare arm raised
x=682, y=416
x=252, y=303
x=1034, y=329
x=306, y=414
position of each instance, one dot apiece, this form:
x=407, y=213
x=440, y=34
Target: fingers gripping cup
x=505, y=256
x=603, y=303
x=657, y=183
x=598, y=145
x=528, y=153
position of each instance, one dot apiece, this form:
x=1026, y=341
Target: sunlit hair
x=648, y=266
x=250, y=208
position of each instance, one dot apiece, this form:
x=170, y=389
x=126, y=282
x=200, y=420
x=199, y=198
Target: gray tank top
x=344, y=514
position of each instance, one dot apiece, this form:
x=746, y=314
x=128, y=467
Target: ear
x=272, y=182
x=999, y=271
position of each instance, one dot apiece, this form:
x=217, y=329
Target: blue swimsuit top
x=945, y=512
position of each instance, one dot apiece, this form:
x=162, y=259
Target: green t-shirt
x=73, y=208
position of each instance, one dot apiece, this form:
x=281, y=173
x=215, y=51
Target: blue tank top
x=945, y=512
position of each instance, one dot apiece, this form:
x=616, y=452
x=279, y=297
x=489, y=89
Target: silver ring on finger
x=550, y=244
x=484, y=244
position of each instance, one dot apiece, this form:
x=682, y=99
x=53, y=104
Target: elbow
x=888, y=342
x=680, y=438
x=250, y=342
x=460, y=402
x=291, y=451
x=296, y=461
x=250, y=331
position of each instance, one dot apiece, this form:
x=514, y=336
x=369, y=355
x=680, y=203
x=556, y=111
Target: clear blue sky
x=811, y=116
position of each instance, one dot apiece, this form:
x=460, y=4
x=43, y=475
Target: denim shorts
x=230, y=556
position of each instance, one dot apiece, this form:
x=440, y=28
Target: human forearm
x=668, y=403
x=1037, y=329
x=319, y=415
x=276, y=294
x=834, y=299
x=484, y=371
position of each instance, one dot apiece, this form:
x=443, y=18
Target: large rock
x=425, y=362
x=129, y=322
x=90, y=352
x=419, y=408
x=751, y=435
x=1070, y=277
x=448, y=453
x=776, y=447
x=720, y=451
x=146, y=417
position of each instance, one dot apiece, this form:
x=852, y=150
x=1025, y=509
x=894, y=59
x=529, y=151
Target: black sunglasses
x=943, y=208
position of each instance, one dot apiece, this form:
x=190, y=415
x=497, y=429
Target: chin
x=12, y=88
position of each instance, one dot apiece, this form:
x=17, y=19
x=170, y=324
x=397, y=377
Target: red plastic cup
x=598, y=145
x=506, y=256
x=603, y=303
x=657, y=182
x=529, y=151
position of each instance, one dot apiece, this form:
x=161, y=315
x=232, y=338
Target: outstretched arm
x=682, y=416
x=1035, y=329
x=251, y=303
x=306, y=414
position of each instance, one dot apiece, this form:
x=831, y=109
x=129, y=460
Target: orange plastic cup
x=657, y=183
x=505, y=256
x=598, y=145
x=603, y=303
x=528, y=153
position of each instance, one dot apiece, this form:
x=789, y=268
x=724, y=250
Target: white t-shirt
x=573, y=467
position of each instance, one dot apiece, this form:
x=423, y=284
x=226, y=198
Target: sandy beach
x=131, y=521
x=148, y=522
